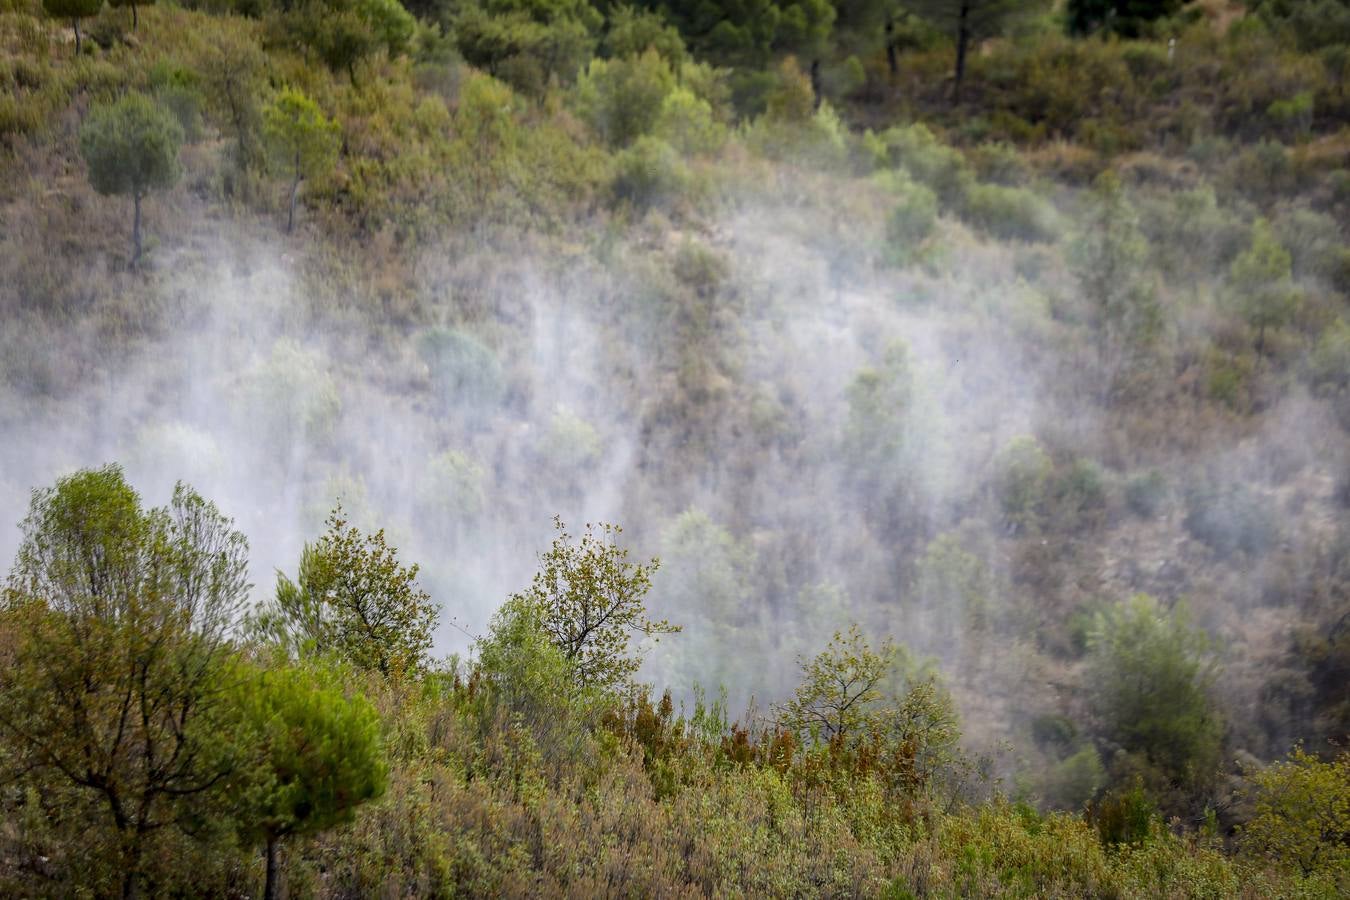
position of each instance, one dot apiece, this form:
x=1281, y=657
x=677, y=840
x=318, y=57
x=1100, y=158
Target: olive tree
x=131, y=147
x=301, y=141
x=122, y=618
x=590, y=601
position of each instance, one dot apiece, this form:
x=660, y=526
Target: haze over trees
x=983, y=466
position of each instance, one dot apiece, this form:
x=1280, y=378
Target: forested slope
x=980, y=382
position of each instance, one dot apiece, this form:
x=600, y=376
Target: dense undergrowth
x=1051, y=386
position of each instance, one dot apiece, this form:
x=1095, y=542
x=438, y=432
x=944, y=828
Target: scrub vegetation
x=970, y=378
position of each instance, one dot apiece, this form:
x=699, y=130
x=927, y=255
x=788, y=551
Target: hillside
x=1010, y=395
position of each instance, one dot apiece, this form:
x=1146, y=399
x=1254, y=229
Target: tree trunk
x=962, y=41
x=892, y=58
x=75, y=23
x=295, y=189
x=815, y=81
x=136, y=228
x=271, y=888
x=135, y=18
x=131, y=878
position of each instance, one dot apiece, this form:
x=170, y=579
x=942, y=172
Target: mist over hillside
x=1034, y=373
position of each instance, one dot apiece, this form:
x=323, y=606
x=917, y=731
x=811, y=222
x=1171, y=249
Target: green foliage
x=918, y=151
x=120, y=619
x=1146, y=493
x=1074, y=781
x=352, y=598
x=622, y=98
x=135, y=8
x=1109, y=257
x=527, y=43
x=1128, y=18
x=301, y=141
x=464, y=371
x=1009, y=213
x=344, y=33
x=634, y=31
x=1262, y=288
x=969, y=22
x=1150, y=677
x=911, y=222
x=1125, y=816
x=841, y=688
x=290, y=399
x=131, y=147
x=688, y=123
x=1023, y=473
x=648, y=173
x=317, y=757
x=1229, y=518
x=589, y=599
x=1301, y=813
x=957, y=585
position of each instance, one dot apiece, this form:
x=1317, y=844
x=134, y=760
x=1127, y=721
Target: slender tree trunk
x=131, y=878
x=962, y=41
x=136, y=228
x=272, y=887
x=75, y=23
x=815, y=81
x=135, y=18
x=295, y=189
x=892, y=58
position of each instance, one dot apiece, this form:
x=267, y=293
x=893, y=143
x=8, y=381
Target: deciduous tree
x=123, y=617
x=301, y=141
x=590, y=600
x=353, y=598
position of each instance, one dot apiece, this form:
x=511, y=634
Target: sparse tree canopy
x=131, y=147
x=354, y=599
x=301, y=141
x=123, y=617
x=1301, y=813
x=1109, y=257
x=591, y=602
x=841, y=688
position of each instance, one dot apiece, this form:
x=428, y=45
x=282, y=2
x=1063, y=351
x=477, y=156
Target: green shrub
x=1146, y=493
x=622, y=99
x=649, y=173
x=1229, y=518
x=1010, y=213
x=464, y=371
x=1125, y=816
x=1022, y=474
x=1149, y=680
x=911, y=222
